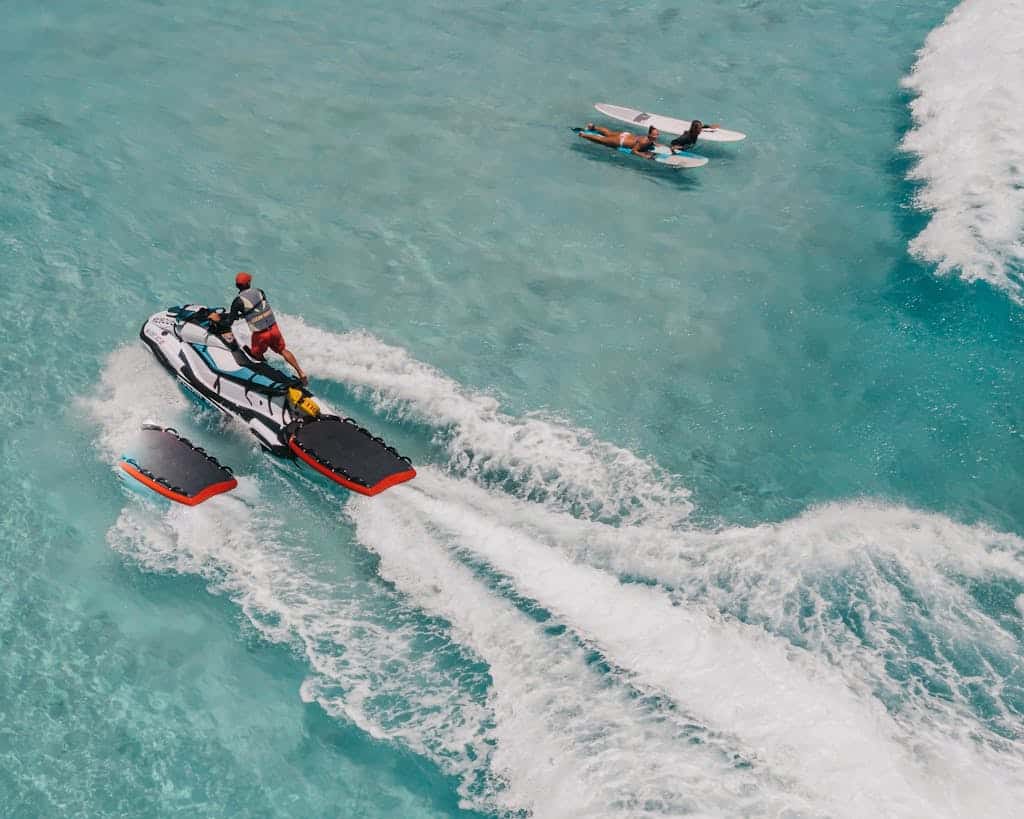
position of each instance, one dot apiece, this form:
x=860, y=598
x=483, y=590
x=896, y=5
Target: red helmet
x=243, y=279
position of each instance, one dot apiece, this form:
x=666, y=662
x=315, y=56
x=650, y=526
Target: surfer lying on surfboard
x=640, y=145
x=684, y=142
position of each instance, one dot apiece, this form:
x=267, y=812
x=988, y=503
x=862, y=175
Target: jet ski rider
x=252, y=305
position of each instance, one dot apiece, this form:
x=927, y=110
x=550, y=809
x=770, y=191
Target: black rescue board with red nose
x=346, y=453
x=172, y=466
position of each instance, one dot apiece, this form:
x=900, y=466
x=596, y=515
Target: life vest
x=256, y=310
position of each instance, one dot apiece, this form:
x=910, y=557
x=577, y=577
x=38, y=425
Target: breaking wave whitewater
x=968, y=137
x=546, y=627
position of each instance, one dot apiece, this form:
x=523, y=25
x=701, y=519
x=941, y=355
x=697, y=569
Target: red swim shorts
x=271, y=337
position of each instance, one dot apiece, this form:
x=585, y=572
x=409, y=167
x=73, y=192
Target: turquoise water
x=718, y=506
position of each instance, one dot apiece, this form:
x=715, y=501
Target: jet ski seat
x=236, y=366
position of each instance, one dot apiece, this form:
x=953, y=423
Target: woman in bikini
x=639, y=145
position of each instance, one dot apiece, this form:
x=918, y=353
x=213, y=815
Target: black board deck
x=348, y=454
x=175, y=468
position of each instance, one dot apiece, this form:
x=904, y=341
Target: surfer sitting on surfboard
x=640, y=145
x=684, y=142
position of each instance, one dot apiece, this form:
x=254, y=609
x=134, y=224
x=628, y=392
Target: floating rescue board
x=347, y=454
x=175, y=468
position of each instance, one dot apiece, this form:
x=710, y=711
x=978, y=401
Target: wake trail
x=374, y=662
x=792, y=710
x=887, y=595
x=536, y=457
x=820, y=660
x=569, y=740
x=795, y=714
x=857, y=582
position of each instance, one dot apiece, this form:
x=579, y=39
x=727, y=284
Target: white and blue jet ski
x=278, y=410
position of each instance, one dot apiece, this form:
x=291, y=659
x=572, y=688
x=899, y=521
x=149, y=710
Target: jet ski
x=284, y=416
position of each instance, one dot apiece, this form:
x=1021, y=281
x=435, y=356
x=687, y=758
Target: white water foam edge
x=968, y=137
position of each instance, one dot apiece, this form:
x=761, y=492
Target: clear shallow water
x=718, y=506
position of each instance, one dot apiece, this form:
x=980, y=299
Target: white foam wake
x=856, y=582
x=891, y=597
x=133, y=389
x=791, y=710
x=570, y=740
x=374, y=662
x=547, y=460
x=969, y=138
x=367, y=654
x=538, y=727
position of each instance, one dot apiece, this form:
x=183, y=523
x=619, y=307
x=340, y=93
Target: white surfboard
x=669, y=125
x=680, y=159
x=683, y=159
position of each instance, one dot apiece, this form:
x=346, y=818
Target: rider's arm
x=225, y=320
x=235, y=313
